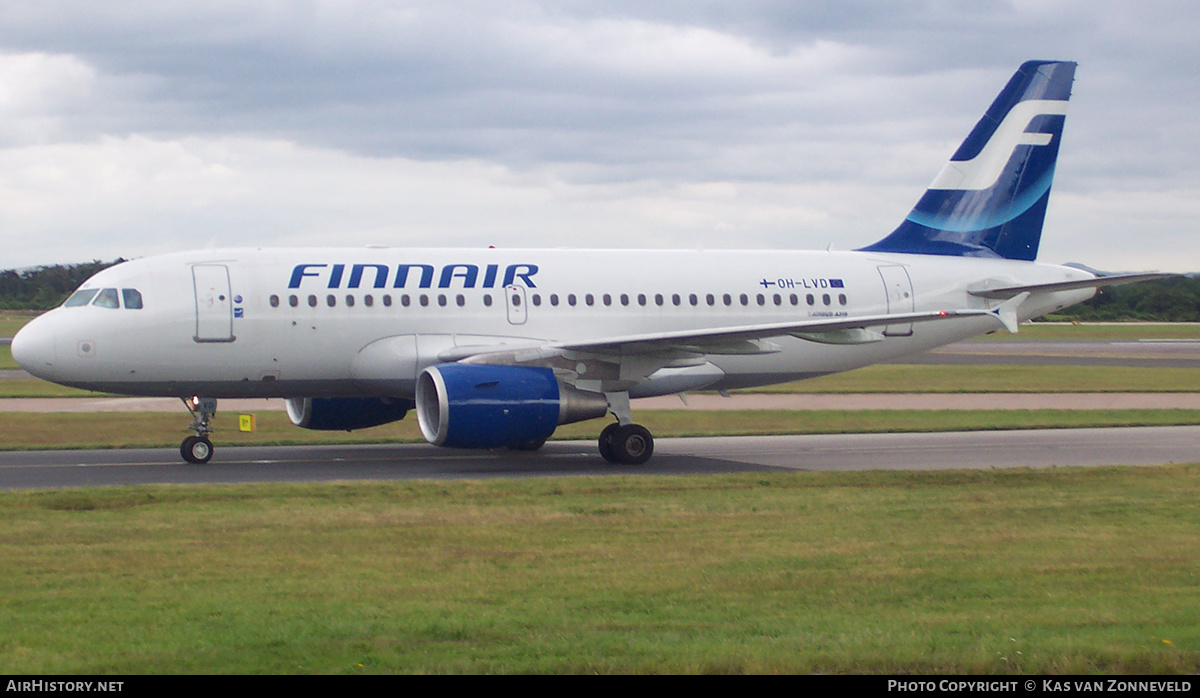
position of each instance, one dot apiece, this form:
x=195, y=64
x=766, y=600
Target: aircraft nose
x=33, y=348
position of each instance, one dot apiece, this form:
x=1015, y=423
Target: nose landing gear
x=198, y=449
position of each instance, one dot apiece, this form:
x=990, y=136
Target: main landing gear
x=630, y=444
x=198, y=449
x=625, y=442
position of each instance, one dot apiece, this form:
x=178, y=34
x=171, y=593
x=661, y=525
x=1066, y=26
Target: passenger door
x=898, y=287
x=214, y=306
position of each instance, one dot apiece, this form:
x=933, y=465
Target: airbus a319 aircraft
x=495, y=348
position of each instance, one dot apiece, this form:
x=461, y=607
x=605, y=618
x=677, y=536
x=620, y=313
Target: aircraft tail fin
x=990, y=198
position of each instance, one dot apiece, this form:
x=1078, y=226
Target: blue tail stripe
x=990, y=200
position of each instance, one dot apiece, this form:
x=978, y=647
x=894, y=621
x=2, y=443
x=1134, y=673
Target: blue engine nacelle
x=481, y=406
x=345, y=413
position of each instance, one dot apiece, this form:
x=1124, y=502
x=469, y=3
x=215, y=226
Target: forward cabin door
x=899, y=290
x=214, y=306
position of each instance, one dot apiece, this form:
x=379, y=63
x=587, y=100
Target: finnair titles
x=331, y=275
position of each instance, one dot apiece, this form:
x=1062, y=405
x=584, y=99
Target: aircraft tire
x=632, y=444
x=605, y=443
x=196, y=449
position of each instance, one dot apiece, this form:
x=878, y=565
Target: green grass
x=10, y=322
x=22, y=431
x=13, y=320
x=900, y=378
x=33, y=387
x=1014, y=571
x=1130, y=331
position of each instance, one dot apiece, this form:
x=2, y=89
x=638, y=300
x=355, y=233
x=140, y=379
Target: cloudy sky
x=134, y=127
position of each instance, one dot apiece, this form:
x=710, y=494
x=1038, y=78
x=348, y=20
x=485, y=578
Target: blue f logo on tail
x=990, y=198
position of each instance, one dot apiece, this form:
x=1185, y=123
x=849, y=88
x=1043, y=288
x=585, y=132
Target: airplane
x=496, y=348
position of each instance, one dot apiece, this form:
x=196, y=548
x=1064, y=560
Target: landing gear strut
x=198, y=449
x=625, y=442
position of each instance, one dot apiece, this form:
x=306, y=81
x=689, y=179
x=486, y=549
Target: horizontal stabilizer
x=1097, y=282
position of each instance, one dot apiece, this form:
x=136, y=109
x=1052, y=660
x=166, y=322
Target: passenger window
x=641, y=299
x=553, y=299
x=809, y=298
x=132, y=298
x=728, y=299
x=761, y=300
x=274, y=301
x=331, y=300
x=487, y=299
x=571, y=299
x=842, y=298
x=607, y=299
x=658, y=299
x=387, y=300
x=710, y=299
x=693, y=299
x=624, y=299
x=744, y=299
x=778, y=299
x=107, y=298
x=442, y=300
x=80, y=297
x=461, y=300
x=536, y=298
x=368, y=300
x=795, y=299
x=293, y=301
x=675, y=299
x=589, y=299
x=312, y=301
x=825, y=299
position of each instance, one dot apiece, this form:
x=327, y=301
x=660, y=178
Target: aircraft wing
x=680, y=347
x=847, y=330
x=1097, y=282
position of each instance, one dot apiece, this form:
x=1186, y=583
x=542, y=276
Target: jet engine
x=481, y=406
x=345, y=413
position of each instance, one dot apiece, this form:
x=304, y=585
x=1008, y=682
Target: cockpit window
x=132, y=298
x=81, y=297
x=107, y=298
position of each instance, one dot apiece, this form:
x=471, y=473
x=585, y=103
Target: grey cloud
x=689, y=91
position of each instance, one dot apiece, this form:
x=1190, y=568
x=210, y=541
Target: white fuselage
x=365, y=321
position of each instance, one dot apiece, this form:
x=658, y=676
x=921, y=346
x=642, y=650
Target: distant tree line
x=42, y=288
x=1166, y=300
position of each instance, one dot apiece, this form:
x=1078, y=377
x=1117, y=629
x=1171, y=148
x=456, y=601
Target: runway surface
x=836, y=452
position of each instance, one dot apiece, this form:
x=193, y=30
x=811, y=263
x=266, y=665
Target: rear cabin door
x=214, y=306
x=899, y=290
